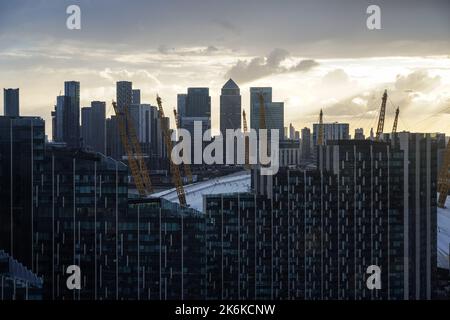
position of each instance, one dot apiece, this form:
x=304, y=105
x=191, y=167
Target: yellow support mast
x=174, y=169
x=132, y=147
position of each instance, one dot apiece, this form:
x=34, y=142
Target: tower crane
x=187, y=167
x=133, y=149
x=174, y=169
x=394, y=128
x=380, y=126
x=444, y=176
x=246, y=141
x=321, y=133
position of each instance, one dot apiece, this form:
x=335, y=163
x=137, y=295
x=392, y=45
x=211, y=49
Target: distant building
x=136, y=96
x=359, y=134
x=124, y=94
x=306, y=143
x=11, y=102
x=291, y=132
x=332, y=131
x=274, y=111
x=114, y=148
x=93, y=126
x=230, y=107
x=71, y=114
x=290, y=153
x=195, y=108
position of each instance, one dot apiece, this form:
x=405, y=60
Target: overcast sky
x=315, y=54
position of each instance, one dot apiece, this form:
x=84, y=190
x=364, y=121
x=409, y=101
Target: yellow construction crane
x=246, y=141
x=444, y=176
x=321, y=133
x=380, y=126
x=394, y=127
x=133, y=149
x=187, y=167
x=174, y=169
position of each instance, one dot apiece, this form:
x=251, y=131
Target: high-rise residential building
x=71, y=114
x=297, y=135
x=136, y=96
x=230, y=107
x=332, y=131
x=306, y=143
x=274, y=111
x=11, y=102
x=93, y=126
x=420, y=211
x=22, y=148
x=82, y=196
x=239, y=250
x=166, y=251
x=359, y=134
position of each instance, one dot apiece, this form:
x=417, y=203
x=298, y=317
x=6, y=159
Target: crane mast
x=380, y=126
x=321, y=133
x=187, y=167
x=133, y=149
x=444, y=176
x=174, y=169
x=394, y=127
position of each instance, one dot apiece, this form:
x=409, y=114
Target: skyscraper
x=71, y=114
x=197, y=109
x=230, y=107
x=11, y=102
x=274, y=111
x=306, y=143
x=124, y=94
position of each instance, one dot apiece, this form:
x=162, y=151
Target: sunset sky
x=315, y=54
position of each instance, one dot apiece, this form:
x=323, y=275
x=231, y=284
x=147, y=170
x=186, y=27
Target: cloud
x=413, y=91
x=259, y=67
x=417, y=81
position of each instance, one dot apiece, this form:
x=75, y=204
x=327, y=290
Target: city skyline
x=310, y=65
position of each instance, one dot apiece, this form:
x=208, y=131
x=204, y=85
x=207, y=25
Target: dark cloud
x=260, y=67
